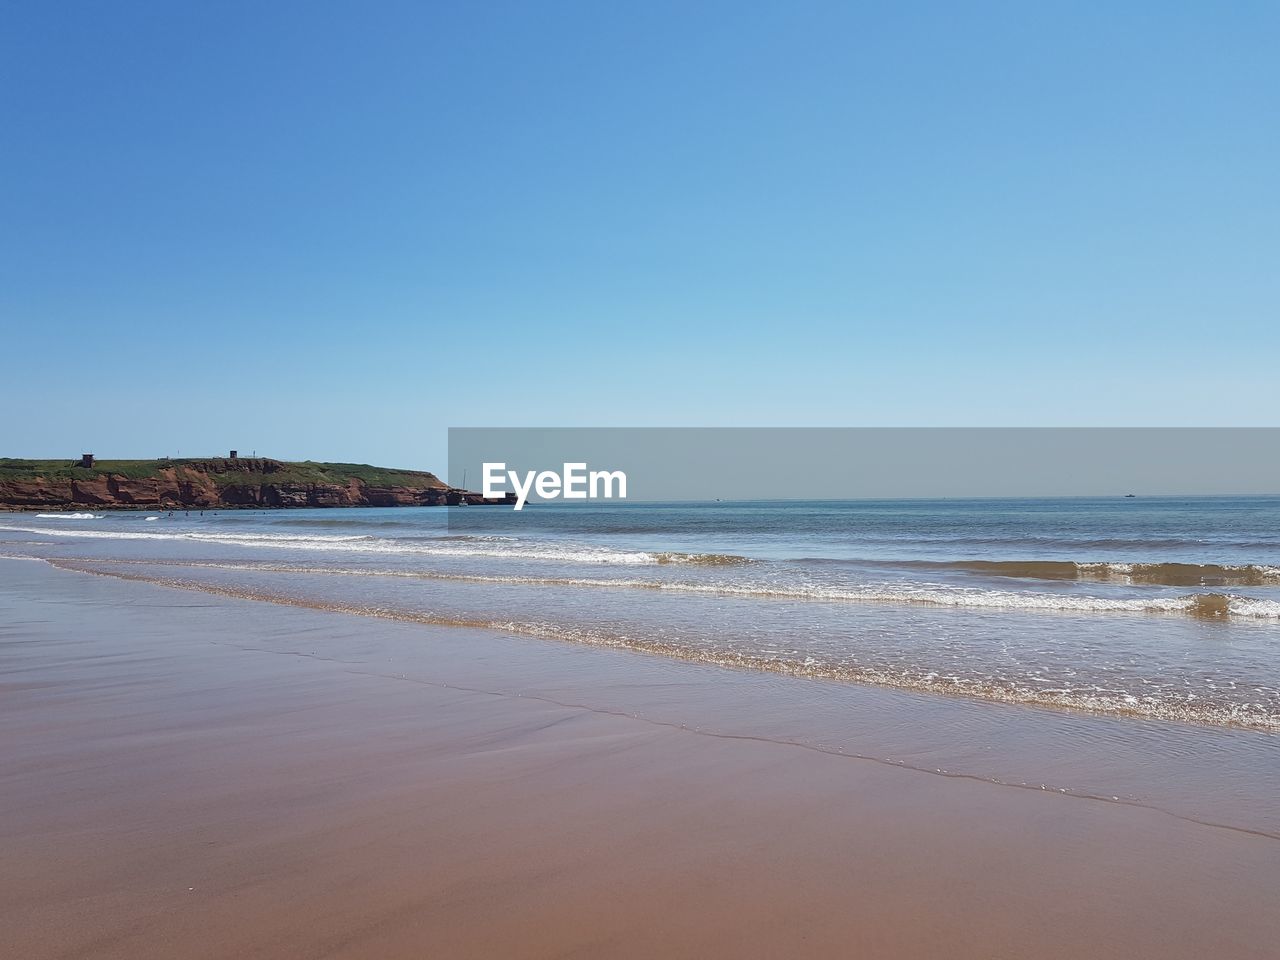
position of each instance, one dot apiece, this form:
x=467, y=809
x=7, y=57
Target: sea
x=1147, y=607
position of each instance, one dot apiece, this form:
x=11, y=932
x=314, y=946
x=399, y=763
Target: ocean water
x=1146, y=607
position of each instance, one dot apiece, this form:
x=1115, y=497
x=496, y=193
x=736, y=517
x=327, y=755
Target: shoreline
x=1168, y=714
x=201, y=776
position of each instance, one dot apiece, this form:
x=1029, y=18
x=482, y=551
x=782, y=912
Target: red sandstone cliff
x=218, y=483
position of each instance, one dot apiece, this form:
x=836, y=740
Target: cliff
x=215, y=483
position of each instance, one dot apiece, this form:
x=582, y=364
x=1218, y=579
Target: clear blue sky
x=333, y=230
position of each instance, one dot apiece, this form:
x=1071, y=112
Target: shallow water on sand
x=1161, y=608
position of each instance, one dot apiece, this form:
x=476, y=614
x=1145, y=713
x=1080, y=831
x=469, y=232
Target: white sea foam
x=1199, y=604
x=896, y=592
x=571, y=553
x=974, y=598
x=67, y=516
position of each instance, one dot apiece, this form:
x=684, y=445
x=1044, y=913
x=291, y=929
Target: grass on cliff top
x=304, y=472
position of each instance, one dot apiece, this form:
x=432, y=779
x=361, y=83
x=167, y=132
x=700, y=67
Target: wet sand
x=195, y=776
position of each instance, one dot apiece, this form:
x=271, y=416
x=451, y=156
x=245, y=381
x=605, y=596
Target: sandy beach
x=659, y=481
x=196, y=776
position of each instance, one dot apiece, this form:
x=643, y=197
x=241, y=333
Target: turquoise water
x=1146, y=606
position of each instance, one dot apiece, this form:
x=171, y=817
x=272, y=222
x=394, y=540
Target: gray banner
x=665, y=464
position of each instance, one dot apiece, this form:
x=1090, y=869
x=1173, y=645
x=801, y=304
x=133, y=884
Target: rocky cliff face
x=216, y=484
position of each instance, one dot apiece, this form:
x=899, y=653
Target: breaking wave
x=1209, y=606
x=442, y=546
